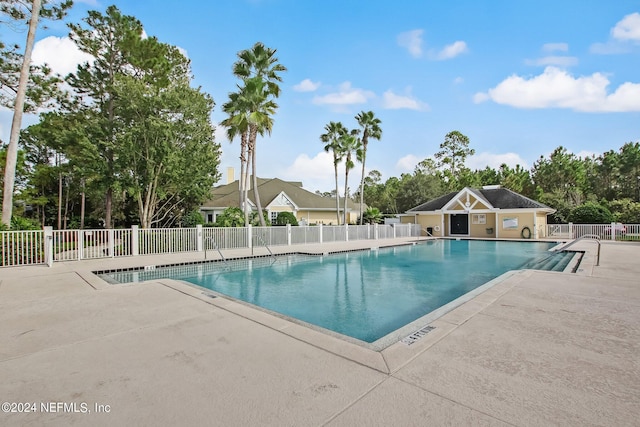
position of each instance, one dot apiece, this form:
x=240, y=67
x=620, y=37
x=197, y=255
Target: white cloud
x=407, y=163
x=183, y=51
x=316, y=173
x=412, y=41
x=458, y=80
x=609, y=48
x=452, y=50
x=625, y=32
x=482, y=160
x=391, y=101
x=555, y=47
x=60, y=53
x=555, y=88
x=628, y=28
x=585, y=153
x=560, y=61
x=89, y=2
x=346, y=95
x=306, y=86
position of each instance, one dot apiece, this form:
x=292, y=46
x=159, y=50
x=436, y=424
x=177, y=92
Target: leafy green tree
x=591, y=213
x=114, y=40
x=563, y=173
x=331, y=139
x=167, y=150
x=630, y=170
x=285, y=218
x=625, y=211
x=452, y=156
x=606, y=179
x=370, y=125
x=43, y=84
x=516, y=179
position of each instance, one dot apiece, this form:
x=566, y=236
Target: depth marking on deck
x=417, y=335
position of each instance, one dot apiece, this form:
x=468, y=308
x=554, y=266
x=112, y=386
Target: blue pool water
x=365, y=294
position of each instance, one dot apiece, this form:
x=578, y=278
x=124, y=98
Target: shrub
x=285, y=218
x=372, y=216
x=191, y=219
x=591, y=213
x=21, y=223
x=625, y=211
x=230, y=217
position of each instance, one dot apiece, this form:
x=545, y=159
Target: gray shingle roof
x=228, y=195
x=501, y=198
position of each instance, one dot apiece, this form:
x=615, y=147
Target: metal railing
x=215, y=246
x=610, y=231
x=592, y=237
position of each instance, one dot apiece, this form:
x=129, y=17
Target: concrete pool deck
x=538, y=348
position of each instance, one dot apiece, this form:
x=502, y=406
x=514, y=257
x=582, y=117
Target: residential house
x=492, y=211
x=277, y=196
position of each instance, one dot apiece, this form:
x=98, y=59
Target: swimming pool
x=365, y=295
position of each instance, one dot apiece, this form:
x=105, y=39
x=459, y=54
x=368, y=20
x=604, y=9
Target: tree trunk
x=335, y=167
x=66, y=206
x=82, y=204
x=107, y=207
x=59, y=192
x=12, y=149
x=256, y=195
x=364, y=157
x=346, y=190
x=244, y=166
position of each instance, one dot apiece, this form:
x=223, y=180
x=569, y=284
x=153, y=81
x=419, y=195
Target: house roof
x=270, y=188
x=498, y=198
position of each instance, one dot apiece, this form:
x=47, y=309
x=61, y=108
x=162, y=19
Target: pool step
x=554, y=262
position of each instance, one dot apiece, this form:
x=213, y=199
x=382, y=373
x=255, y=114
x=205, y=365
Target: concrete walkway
x=538, y=348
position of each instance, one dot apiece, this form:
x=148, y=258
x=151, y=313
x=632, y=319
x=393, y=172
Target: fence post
x=288, y=234
x=320, y=232
x=346, y=232
x=48, y=246
x=80, y=244
x=249, y=237
x=376, y=232
x=613, y=231
x=571, y=230
x=135, y=245
x=199, y=237
x=111, y=244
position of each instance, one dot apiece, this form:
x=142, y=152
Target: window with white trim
x=274, y=216
x=479, y=219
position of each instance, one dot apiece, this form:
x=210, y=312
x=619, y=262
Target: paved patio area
x=538, y=348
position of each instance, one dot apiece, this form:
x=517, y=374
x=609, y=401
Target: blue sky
x=519, y=78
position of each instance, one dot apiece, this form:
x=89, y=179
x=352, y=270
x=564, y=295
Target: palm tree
x=259, y=69
x=331, y=139
x=260, y=122
x=370, y=129
x=349, y=144
x=238, y=124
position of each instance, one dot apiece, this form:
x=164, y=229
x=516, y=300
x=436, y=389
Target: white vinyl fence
x=48, y=246
x=613, y=231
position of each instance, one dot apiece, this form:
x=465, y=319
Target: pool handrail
x=216, y=247
x=592, y=237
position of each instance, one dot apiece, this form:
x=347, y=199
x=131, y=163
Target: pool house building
x=489, y=212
